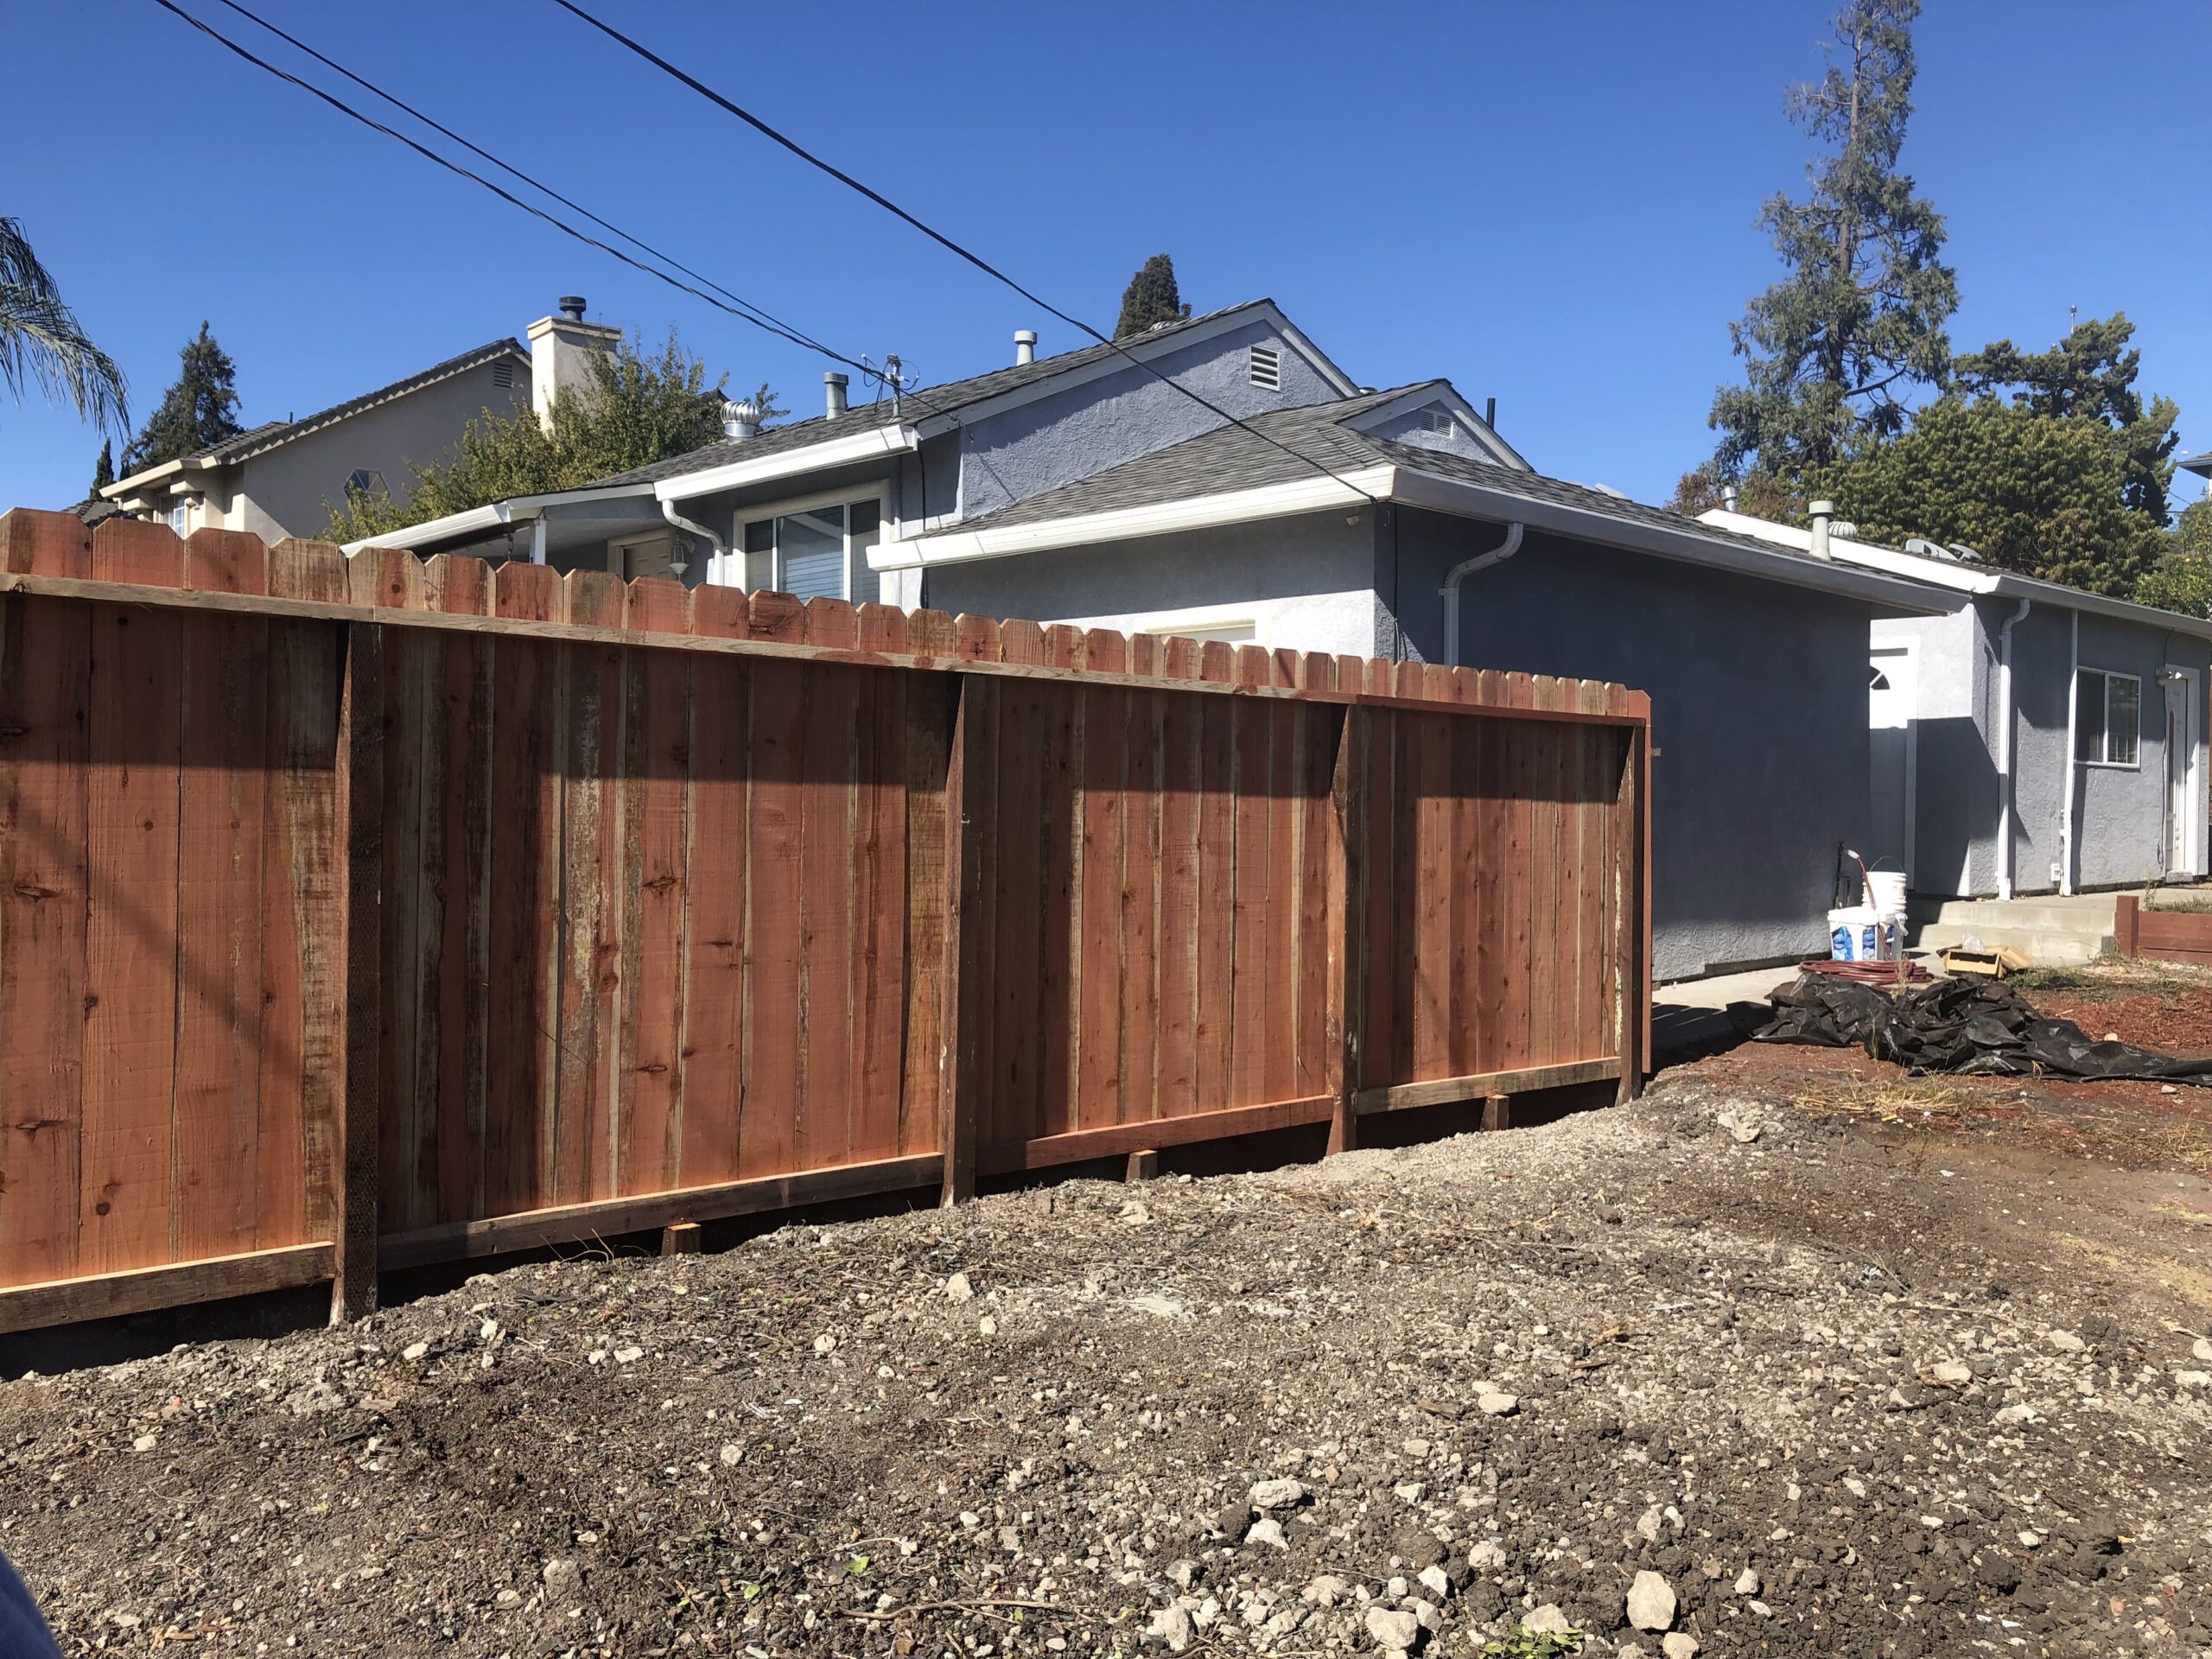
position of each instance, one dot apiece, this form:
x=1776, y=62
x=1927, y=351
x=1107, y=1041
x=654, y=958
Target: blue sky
x=1552, y=205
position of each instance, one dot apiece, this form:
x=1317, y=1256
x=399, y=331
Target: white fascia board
x=1358, y=489
x=1417, y=489
x=1961, y=578
x=516, y=510
x=876, y=442
x=1442, y=391
x=453, y=527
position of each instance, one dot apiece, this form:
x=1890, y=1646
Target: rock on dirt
x=1716, y=1353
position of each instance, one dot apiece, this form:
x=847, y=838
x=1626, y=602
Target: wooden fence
x=370, y=913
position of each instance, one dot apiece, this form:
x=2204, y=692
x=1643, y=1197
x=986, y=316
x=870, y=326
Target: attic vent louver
x=1267, y=368
x=503, y=375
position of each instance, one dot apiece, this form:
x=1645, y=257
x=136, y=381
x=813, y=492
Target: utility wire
x=732, y=304
x=791, y=332
x=935, y=235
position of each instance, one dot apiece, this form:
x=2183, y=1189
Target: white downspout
x=2005, y=788
x=1450, y=591
x=714, y=559
x=2073, y=766
x=537, y=539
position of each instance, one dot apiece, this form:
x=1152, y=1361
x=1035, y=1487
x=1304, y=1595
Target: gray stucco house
x=1080, y=488
x=2029, y=737
x=283, y=477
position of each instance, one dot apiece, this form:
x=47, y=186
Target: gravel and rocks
x=1839, y=1388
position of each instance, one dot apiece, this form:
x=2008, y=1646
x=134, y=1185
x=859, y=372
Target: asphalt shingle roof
x=947, y=399
x=1230, y=458
x=270, y=434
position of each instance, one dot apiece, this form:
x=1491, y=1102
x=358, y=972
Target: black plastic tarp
x=1967, y=1026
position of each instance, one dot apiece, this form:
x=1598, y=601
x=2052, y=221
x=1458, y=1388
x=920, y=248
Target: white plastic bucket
x=1859, y=934
x=1885, y=890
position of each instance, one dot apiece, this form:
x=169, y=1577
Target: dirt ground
x=1848, y=1363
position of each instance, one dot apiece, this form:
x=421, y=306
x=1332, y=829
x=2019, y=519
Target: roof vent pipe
x=1450, y=591
x=833, y=393
x=741, y=419
x=1025, y=347
x=1730, y=495
x=572, y=307
x=1821, y=512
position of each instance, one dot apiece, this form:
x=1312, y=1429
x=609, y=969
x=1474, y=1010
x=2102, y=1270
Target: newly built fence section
x=371, y=913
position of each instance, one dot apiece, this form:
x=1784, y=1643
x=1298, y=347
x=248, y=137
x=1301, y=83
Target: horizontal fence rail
x=366, y=912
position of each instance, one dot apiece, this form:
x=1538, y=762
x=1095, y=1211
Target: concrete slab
x=1698, y=1012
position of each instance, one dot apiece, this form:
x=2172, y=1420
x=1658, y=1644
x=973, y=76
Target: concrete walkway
x=1698, y=1012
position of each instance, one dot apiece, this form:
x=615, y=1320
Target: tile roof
x=1230, y=459
x=919, y=404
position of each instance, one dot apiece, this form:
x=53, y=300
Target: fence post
x=2127, y=920
x=1632, y=914
x=360, y=815
x=1348, y=942
x=971, y=779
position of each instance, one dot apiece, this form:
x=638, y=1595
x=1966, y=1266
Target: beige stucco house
x=282, y=478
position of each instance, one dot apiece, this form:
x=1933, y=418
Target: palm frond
x=43, y=346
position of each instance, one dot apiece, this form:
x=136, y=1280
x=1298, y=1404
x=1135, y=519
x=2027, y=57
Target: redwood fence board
x=362, y=910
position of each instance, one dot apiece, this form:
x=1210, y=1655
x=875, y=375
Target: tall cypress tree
x=1151, y=297
x=200, y=408
x=104, y=469
x=1859, y=320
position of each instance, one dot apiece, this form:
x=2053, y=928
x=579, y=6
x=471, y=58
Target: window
x=819, y=552
x=364, y=481
x=1267, y=368
x=181, y=514
x=2107, y=718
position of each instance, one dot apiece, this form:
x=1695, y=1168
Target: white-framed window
x=1266, y=368
x=2107, y=718
x=181, y=514
x=814, y=548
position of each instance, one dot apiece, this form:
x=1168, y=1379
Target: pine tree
x=2090, y=375
x=1860, y=320
x=1151, y=297
x=104, y=469
x=200, y=408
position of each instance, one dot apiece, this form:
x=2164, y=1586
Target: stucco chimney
x=560, y=352
x=833, y=392
x=1025, y=345
x=1821, y=513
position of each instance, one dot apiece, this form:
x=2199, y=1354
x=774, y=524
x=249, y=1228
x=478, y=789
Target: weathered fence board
x=368, y=912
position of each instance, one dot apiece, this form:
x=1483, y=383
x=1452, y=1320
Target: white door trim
x=1910, y=650
x=2192, y=783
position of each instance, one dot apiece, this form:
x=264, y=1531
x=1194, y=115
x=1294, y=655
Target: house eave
x=1973, y=581
x=871, y=444
x=1406, y=486
x=1318, y=494
x=499, y=515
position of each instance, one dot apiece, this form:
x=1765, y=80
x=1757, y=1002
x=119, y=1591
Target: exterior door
x=2180, y=688
x=1890, y=705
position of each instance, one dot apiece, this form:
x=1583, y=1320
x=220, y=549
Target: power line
x=935, y=235
x=733, y=305
x=793, y=332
